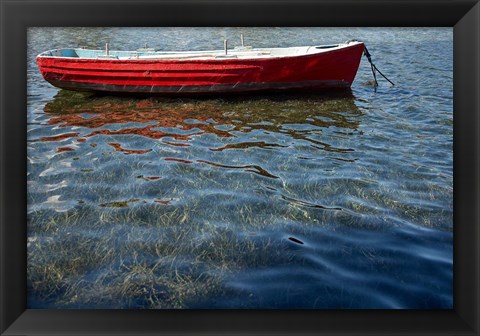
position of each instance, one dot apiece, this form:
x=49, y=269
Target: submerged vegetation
x=323, y=200
x=124, y=259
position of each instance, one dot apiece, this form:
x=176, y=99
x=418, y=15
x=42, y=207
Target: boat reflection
x=179, y=120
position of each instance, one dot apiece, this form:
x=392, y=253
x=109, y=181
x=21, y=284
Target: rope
x=374, y=67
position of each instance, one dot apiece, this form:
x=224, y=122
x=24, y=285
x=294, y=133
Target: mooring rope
x=374, y=67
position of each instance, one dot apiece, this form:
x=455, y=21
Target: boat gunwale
x=221, y=59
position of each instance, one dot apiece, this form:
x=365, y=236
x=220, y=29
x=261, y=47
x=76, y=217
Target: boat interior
x=150, y=53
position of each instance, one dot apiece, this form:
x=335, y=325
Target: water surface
x=329, y=200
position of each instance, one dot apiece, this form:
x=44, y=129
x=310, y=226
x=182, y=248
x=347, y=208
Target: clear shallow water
x=338, y=200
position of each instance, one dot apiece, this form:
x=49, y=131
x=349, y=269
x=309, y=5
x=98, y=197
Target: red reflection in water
x=77, y=110
x=172, y=118
x=68, y=109
x=59, y=137
x=64, y=149
x=178, y=144
x=152, y=178
x=149, y=178
x=178, y=160
x=119, y=148
x=143, y=131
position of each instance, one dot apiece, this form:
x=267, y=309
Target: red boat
x=241, y=69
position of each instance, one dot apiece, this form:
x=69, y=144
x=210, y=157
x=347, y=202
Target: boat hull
x=328, y=70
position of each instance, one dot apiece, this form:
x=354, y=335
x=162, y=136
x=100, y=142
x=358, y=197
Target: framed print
x=208, y=167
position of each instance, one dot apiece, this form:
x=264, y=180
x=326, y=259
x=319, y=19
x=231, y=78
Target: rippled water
x=338, y=200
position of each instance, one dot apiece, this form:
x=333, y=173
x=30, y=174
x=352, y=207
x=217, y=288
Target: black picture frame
x=16, y=16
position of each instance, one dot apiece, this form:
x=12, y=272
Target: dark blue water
x=328, y=200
